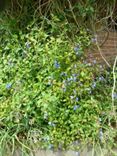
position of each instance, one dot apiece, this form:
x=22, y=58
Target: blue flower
x=101, y=134
x=77, y=99
x=74, y=75
x=27, y=45
x=64, y=89
x=56, y=64
x=76, y=107
x=49, y=83
x=8, y=86
x=63, y=74
x=115, y=95
x=46, y=138
x=51, y=124
x=69, y=79
x=24, y=54
x=94, y=85
x=50, y=146
x=84, y=61
x=76, y=48
x=77, y=153
x=101, y=78
x=74, y=79
x=94, y=40
x=90, y=92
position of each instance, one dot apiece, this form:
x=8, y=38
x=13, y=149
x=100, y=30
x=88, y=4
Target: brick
x=107, y=42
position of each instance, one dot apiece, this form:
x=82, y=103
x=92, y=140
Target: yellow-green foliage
x=49, y=93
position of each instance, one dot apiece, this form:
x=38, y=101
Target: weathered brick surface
x=107, y=42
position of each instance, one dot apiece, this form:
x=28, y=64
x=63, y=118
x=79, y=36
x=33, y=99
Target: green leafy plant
x=49, y=93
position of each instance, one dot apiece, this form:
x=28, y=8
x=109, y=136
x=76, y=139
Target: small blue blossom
x=51, y=124
x=94, y=85
x=101, y=134
x=115, y=95
x=27, y=45
x=94, y=40
x=76, y=48
x=24, y=54
x=77, y=99
x=46, y=138
x=64, y=89
x=74, y=75
x=74, y=79
x=69, y=79
x=84, y=61
x=77, y=53
x=77, y=153
x=50, y=146
x=63, y=74
x=8, y=86
x=90, y=92
x=56, y=64
x=101, y=78
x=49, y=83
x=76, y=107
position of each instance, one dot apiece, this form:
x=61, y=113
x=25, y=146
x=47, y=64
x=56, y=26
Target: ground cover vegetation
x=51, y=97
